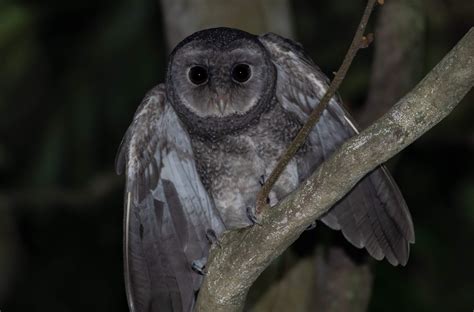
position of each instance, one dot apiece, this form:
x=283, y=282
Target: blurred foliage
x=71, y=76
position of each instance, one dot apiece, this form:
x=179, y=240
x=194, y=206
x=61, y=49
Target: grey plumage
x=199, y=146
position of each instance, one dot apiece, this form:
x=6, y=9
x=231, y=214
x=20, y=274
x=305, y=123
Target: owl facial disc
x=219, y=80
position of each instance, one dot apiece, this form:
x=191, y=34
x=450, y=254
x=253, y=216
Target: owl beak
x=222, y=105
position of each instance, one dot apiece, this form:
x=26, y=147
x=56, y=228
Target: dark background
x=71, y=76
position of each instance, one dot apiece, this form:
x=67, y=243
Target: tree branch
x=359, y=41
x=245, y=253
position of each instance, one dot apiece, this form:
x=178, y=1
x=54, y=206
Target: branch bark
x=244, y=254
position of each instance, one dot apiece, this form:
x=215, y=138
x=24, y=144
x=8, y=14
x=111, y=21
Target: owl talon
x=311, y=226
x=252, y=217
x=199, y=266
x=212, y=238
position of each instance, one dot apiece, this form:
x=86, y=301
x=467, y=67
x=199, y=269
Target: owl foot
x=311, y=226
x=199, y=266
x=212, y=238
x=252, y=217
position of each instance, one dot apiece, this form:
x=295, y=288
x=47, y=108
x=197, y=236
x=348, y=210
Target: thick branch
x=358, y=42
x=246, y=253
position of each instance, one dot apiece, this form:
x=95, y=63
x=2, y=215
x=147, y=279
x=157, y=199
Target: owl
x=201, y=145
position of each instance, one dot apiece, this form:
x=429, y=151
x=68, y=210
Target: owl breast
x=233, y=168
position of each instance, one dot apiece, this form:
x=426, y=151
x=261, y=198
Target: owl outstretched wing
x=374, y=214
x=167, y=210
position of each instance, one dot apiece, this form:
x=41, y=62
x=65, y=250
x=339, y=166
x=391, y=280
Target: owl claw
x=311, y=226
x=212, y=238
x=252, y=217
x=199, y=266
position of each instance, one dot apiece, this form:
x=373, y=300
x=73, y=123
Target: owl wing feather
x=167, y=210
x=374, y=214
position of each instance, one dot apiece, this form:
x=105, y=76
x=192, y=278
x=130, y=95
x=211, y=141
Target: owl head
x=220, y=80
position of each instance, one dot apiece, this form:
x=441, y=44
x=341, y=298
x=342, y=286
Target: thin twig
x=313, y=118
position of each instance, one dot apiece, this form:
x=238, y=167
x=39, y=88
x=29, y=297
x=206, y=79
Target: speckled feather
x=232, y=168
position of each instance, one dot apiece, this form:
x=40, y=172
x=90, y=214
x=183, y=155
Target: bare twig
x=357, y=43
x=246, y=253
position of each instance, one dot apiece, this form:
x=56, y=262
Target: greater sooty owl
x=201, y=145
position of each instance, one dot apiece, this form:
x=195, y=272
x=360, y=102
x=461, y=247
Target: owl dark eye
x=241, y=72
x=198, y=75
